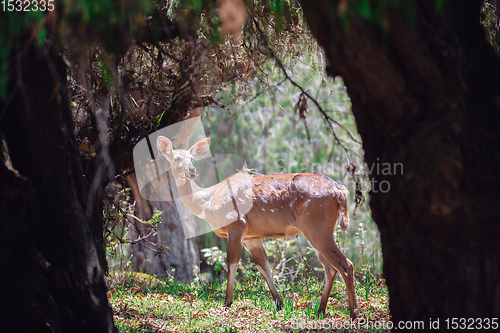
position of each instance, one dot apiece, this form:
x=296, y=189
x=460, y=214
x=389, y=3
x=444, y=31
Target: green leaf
x=5, y=45
x=439, y=5
x=42, y=35
x=197, y=5
x=107, y=74
x=364, y=9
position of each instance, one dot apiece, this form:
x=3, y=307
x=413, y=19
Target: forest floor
x=144, y=304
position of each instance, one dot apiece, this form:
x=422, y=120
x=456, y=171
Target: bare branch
x=328, y=120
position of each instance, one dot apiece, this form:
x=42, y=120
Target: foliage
x=119, y=221
x=490, y=18
x=11, y=26
x=73, y=22
x=125, y=279
x=216, y=257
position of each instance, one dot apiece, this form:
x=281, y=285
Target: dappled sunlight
x=198, y=308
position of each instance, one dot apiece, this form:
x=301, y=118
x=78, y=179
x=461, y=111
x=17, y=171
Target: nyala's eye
x=177, y=159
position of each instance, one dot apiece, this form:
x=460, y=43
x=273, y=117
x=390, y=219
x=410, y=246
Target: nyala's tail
x=343, y=193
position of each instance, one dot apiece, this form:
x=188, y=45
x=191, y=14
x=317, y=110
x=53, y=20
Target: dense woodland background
x=346, y=88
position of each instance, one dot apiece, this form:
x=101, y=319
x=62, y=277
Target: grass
x=148, y=305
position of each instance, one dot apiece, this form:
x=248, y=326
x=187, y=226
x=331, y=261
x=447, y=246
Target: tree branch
x=329, y=120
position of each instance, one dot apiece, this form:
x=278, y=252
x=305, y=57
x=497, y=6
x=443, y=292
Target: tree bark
x=55, y=283
x=166, y=250
x=94, y=208
x=425, y=94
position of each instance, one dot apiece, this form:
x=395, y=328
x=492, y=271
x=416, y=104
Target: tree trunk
x=96, y=205
x=425, y=94
x=54, y=281
x=166, y=250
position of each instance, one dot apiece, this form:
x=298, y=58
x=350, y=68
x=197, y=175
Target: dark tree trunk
x=426, y=95
x=95, y=202
x=96, y=225
x=54, y=281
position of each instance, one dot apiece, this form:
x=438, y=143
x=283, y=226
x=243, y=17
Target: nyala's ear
x=165, y=147
x=200, y=148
